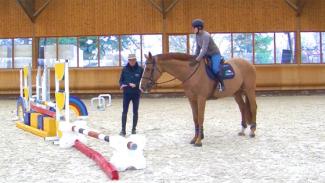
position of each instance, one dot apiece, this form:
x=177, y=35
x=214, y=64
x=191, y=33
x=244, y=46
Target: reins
x=159, y=83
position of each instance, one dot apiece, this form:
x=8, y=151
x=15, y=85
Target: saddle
x=225, y=68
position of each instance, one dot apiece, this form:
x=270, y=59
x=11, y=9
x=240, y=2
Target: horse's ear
x=146, y=56
x=150, y=56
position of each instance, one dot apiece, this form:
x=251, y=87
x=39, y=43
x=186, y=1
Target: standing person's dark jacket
x=131, y=75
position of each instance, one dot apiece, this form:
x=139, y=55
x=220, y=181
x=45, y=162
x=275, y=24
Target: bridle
x=154, y=67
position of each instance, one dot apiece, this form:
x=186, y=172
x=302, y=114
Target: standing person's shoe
x=123, y=133
x=134, y=131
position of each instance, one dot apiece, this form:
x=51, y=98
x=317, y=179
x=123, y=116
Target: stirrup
x=220, y=87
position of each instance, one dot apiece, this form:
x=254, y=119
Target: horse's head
x=151, y=73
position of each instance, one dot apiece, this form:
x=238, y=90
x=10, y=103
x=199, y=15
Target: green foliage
x=243, y=43
x=89, y=46
x=263, y=53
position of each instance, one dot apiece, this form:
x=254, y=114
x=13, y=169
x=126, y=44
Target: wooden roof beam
x=296, y=5
x=29, y=6
x=162, y=8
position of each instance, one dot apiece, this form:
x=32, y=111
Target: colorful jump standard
x=61, y=96
x=38, y=115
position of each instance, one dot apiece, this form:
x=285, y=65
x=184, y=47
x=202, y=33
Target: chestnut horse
x=199, y=87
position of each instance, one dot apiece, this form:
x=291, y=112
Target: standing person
x=129, y=82
x=206, y=47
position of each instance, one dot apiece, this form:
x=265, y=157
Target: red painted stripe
x=77, y=107
x=42, y=111
x=93, y=134
x=108, y=168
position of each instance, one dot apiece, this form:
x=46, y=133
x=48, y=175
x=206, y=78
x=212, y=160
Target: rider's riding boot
x=220, y=82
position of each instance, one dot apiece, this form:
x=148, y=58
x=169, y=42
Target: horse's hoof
x=197, y=144
x=241, y=134
x=252, y=135
x=192, y=142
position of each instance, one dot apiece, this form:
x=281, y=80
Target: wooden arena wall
x=107, y=17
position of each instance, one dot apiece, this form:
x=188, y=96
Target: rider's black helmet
x=198, y=23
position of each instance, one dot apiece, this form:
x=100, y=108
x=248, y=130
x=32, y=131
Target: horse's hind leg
x=252, y=107
x=194, y=107
x=243, y=111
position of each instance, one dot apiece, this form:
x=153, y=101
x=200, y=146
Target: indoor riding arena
x=162, y=91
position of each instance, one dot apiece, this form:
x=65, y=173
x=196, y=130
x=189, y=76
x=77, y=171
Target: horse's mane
x=177, y=56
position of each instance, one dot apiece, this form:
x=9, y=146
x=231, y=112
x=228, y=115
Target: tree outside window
x=192, y=44
x=67, y=50
x=243, y=46
x=264, y=48
x=47, y=51
x=285, y=47
x=109, y=50
x=223, y=41
x=310, y=47
x=88, y=51
x=130, y=44
x=177, y=43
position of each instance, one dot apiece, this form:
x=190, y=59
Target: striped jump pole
x=130, y=145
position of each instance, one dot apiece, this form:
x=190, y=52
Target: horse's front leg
x=201, y=108
x=194, y=107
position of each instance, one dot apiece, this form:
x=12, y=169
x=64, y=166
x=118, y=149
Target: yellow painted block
x=59, y=71
x=60, y=100
x=59, y=132
x=26, y=69
x=49, y=125
x=32, y=130
x=33, y=119
x=26, y=93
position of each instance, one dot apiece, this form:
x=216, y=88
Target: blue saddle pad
x=228, y=72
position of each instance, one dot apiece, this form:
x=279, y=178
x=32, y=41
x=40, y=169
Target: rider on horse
x=206, y=47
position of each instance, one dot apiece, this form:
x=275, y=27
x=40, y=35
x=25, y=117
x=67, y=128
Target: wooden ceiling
x=163, y=6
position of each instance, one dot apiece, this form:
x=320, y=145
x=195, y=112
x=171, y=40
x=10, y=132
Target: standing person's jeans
x=216, y=58
x=135, y=98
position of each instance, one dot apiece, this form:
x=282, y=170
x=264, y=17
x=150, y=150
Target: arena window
x=22, y=52
x=243, y=45
x=47, y=50
x=192, y=44
x=88, y=51
x=130, y=44
x=177, y=43
x=285, y=48
x=264, y=48
x=152, y=43
x=68, y=49
x=310, y=47
x=323, y=47
x=5, y=53
x=109, y=51
x=223, y=41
